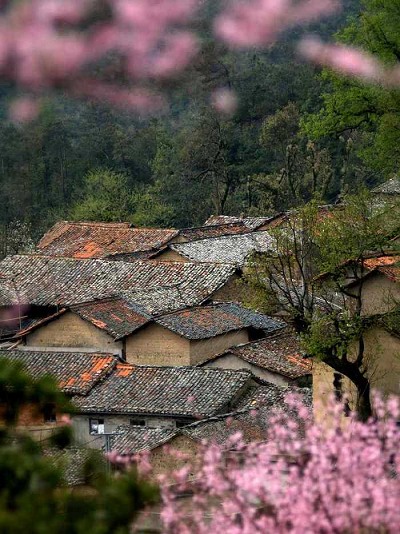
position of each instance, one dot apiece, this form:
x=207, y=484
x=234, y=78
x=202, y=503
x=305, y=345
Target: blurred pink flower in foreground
x=224, y=101
x=304, y=478
x=115, y=50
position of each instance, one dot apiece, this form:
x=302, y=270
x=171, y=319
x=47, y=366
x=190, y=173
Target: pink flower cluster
x=113, y=50
x=43, y=46
x=305, y=477
x=259, y=22
x=350, y=61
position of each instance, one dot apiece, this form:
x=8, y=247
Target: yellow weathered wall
x=163, y=462
x=155, y=345
x=382, y=357
x=201, y=350
x=171, y=255
x=379, y=295
x=69, y=330
x=230, y=361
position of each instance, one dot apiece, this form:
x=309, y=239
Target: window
x=96, y=426
x=49, y=413
x=137, y=422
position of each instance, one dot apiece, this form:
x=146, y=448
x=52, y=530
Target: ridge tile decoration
x=99, y=240
x=209, y=321
x=48, y=281
x=226, y=249
x=168, y=391
x=75, y=372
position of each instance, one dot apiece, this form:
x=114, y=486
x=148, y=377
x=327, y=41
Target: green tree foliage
x=105, y=197
x=318, y=251
x=371, y=111
x=33, y=494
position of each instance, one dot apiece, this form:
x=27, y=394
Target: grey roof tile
x=279, y=354
x=47, y=281
x=226, y=249
x=168, y=391
x=75, y=372
x=208, y=321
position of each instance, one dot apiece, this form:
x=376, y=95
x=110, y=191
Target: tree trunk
x=363, y=406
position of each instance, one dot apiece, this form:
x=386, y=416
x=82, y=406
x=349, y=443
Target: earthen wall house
x=71, y=331
x=380, y=295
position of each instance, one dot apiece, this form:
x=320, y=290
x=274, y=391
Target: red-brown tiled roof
x=202, y=232
x=99, y=240
x=279, y=354
x=115, y=316
x=389, y=265
x=75, y=372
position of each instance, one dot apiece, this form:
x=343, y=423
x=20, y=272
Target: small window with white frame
x=96, y=426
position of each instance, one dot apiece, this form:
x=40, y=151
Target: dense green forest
x=297, y=132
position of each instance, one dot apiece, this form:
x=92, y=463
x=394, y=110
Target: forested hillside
x=294, y=135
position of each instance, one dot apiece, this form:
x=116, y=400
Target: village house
x=185, y=337
x=249, y=417
x=75, y=373
x=232, y=249
x=83, y=240
x=277, y=359
x=380, y=299
x=188, y=337
x=50, y=283
x=156, y=397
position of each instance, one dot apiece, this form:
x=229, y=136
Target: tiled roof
x=208, y=321
x=389, y=265
x=75, y=372
x=271, y=396
x=226, y=249
x=115, y=316
x=279, y=354
x=215, y=230
x=391, y=187
x=129, y=439
x=46, y=281
x=171, y=391
x=74, y=463
x=251, y=419
x=251, y=222
x=99, y=240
